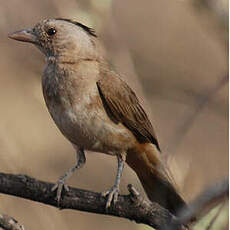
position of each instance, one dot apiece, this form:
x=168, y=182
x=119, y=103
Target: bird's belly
x=90, y=127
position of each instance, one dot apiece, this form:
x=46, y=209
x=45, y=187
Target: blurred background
x=174, y=54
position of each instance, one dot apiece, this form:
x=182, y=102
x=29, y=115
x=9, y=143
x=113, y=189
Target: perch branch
x=204, y=203
x=132, y=206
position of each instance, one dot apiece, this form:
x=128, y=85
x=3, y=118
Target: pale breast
x=87, y=125
x=78, y=112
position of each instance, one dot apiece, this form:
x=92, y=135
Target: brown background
x=173, y=53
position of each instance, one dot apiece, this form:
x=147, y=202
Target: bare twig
x=204, y=203
x=215, y=217
x=216, y=13
x=208, y=199
x=131, y=206
x=9, y=223
x=202, y=101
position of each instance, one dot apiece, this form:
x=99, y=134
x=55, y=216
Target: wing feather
x=122, y=106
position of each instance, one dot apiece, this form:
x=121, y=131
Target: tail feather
x=145, y=161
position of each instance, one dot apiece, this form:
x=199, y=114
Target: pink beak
x=24, y=36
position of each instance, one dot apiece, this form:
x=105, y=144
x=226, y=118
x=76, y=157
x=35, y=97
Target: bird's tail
x=155, y=178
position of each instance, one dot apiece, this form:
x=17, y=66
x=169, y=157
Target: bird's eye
x=51, y=31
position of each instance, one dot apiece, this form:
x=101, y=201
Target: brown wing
x=122, y=105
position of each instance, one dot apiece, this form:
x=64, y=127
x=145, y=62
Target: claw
x=59, y=186
x=112, y=196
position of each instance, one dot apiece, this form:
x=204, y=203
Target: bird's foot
x=60, y=186
x=112, y=195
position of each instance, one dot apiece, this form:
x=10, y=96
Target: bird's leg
x=114, y=191
x=80, y=155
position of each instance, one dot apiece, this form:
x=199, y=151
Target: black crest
x=86, y=28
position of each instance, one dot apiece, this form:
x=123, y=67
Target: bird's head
x=60, y=38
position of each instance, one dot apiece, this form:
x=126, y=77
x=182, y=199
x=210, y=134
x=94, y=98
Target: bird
x=96, y=110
